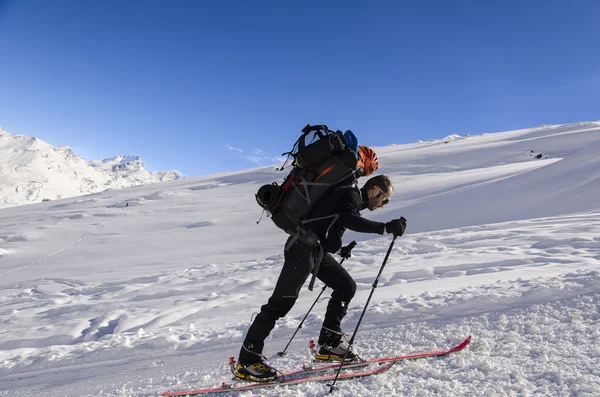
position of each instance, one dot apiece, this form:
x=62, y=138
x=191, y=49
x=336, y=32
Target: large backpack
x=320, y=165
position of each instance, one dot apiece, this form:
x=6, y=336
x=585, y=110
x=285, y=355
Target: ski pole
x=282, y=353
x=332, y=385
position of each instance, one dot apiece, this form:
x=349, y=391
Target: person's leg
x=337, y=278
x=332, y=345
x=299, y=261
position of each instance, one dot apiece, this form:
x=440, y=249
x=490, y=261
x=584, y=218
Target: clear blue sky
x=198, y=86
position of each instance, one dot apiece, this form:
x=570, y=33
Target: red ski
x=307, y=374
x=379, y=360
x=225, y=387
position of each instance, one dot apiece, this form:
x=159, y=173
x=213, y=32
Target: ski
x=380, y=360
x=225, y=387
x=306, y=374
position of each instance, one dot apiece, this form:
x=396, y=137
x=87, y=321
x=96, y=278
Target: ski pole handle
x=347, y=250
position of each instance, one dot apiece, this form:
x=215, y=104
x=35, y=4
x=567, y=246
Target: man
x=301, y=259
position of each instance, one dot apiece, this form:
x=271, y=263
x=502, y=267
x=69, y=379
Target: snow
x=135, y=291
x=33, y=171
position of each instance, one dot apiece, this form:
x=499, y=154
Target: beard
x=371, y=206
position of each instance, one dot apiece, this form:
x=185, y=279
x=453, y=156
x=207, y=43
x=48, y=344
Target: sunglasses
x=385, y=199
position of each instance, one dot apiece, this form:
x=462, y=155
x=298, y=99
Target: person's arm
x=351, y=219
x=362, y=225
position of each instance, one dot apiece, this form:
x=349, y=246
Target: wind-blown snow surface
x=136, y=291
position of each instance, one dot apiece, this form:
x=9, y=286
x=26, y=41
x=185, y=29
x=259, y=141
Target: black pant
x=300, y=260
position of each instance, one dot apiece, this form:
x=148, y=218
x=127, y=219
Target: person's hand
x=345, y=251
x=396, y=227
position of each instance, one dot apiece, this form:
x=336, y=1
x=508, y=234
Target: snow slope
x=135, y=291
x=32, y=171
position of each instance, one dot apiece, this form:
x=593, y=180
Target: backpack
x=319, y=166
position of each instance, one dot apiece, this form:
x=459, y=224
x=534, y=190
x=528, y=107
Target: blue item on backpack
x=352, y=140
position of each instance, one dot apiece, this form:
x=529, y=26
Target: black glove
x=345, y=251
x=396, y=226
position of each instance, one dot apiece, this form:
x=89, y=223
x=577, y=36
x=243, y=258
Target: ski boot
x=257, y=372
x=333, y=347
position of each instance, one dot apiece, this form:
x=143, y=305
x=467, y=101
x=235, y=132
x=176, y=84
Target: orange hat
x=368, y=160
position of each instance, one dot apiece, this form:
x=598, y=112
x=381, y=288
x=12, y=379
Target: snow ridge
x=32, y=171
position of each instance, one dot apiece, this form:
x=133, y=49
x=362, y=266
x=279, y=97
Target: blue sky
x=210, y=86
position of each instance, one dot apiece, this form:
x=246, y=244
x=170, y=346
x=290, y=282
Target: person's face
x=377, y=198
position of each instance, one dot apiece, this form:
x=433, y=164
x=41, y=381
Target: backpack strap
x=305, y=236
x=315, y=271
x=334, y=216
x=333, y=186
x=305, y=185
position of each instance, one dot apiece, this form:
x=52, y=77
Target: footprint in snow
x=201, y=224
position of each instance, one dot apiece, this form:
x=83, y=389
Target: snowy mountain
x=132, y=169
x=32, y=170
x=136, y=291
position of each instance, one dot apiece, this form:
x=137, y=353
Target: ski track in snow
x=127, y=333
x=537, y=348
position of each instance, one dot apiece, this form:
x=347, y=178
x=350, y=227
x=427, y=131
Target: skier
x=313, y=254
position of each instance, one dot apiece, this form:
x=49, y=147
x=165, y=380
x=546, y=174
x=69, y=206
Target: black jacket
x=347, y=202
